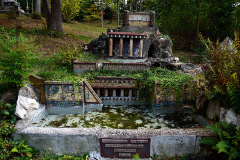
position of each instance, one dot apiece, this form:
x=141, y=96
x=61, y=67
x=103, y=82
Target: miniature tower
x=152, y=19
x=126, y=18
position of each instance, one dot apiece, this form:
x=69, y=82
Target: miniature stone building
x=9, y=5
x=139, y=19
x=126, y=44
x=136, y=39
x=115, y=88
x=137, y=45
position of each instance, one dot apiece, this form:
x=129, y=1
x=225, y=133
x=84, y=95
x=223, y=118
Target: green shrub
x=202, y=50
x=222, y=74
x=228, y=141
x=7, y=112
x=16, y=58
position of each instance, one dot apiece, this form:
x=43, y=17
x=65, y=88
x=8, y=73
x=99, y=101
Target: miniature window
x=110, y=92
x=101, y=92
x=118, y=92
x=126, y=91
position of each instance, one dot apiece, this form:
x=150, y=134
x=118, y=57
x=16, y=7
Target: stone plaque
x=124, y=148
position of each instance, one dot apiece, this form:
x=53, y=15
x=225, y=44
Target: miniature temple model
x=126, y=44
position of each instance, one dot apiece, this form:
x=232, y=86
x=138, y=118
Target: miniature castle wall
x=115, y=88
x=81, y=67
x=164, y=98
x=106, y=90
x=125, y=66
x=63, y=94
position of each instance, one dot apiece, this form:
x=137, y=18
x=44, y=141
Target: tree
x=38, y=7
x=53, y=15
x=70, y=8
x=181, y=20
x=93, y=13
x=197, y=25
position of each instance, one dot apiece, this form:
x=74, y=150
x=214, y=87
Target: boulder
x=25, y=105
x=160, y=48
x=100, y=44
x=157, y=62
x=213, y=109
x=227, y=44
x=28, y=98
x=201, y=99
x=8, y=97
x=229, y=116
x=192, y=69
x=30, y=92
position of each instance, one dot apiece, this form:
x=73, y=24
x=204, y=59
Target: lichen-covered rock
x=99, y=44
x=160, y=48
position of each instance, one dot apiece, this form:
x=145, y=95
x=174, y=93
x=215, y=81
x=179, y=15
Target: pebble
x=138, y=121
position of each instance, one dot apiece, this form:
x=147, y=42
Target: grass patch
x=75, y=33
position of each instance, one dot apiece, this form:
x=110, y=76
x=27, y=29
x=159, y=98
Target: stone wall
x=165, y=98
x=138, y=23
x=125, y=66
x=117, y=90
x=139, y=19
x=75, y=95
x=113, y=82
x=63, y=94
x=81, y=67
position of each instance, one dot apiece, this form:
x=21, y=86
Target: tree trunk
x=136, y=3
x=101, y=14
x=38, y=6
x=118, y=13
x=47, y=11
x=56, y=16
x=140, y=5
x=197, y=25
x=131, y=9
x=53, y=16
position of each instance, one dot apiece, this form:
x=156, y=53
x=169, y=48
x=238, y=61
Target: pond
x=120, y=117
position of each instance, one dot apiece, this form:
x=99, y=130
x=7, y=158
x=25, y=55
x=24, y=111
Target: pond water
x=120, y=117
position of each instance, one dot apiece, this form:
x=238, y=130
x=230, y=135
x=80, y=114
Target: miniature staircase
x=90, y=95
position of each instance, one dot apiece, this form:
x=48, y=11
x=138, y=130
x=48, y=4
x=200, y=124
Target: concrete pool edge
x=84, y=140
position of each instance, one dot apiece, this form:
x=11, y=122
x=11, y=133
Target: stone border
x=84, y=140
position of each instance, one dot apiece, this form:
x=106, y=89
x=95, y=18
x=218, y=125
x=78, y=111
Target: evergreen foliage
x=227, y=141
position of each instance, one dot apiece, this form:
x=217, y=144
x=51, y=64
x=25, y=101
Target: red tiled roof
x=127, y=33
